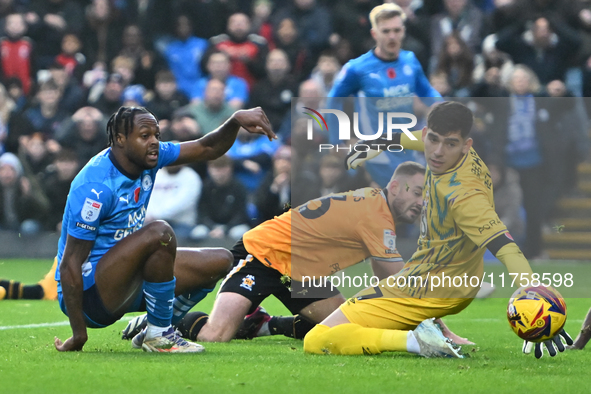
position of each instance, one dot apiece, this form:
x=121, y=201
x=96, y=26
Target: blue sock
x=183, y=303
x=159, y=298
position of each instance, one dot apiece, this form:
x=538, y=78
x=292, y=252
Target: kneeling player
x=319, y=238
x=109, y=263
x=458, y=202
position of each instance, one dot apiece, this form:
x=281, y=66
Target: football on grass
x=536, y=313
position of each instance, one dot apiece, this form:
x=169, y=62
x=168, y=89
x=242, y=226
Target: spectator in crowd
x=213, y=110
x=182, y=127
x=72, y=96
x=55, y=182
x=19, y=210
x=175, y=196
x=523, y=148
x=110, y=100
x=102, y=33
x=326, y=70
x=133, y=96
x=16, y=52
x=261, y=23
x=71, y=56
x=274, y=93
x=247, y=51
x=547, y=48
x=460, y=16
x=287, y=38
x=14, y=88
x=440, y=82
x=184, y=54
x=222, y=207
x=147, y=62
x=167, y=97
x=310, y=95
x=34, y=155
x=7, y=106
x=456, y=60
x=83, y=134
x=313, y=22
x=351, y=23
x=252, y=155
x=45, y=117
x=124, y=66
x=273, y=196
x=209, y=17
x=48, y=21
x=218, y=67
x=154, y=18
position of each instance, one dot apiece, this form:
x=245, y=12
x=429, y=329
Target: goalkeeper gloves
x=369, y=150
x=552, y=345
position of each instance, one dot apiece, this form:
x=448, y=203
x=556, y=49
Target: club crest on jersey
x=90, y=210
x=390, y=241
x=247, y=282
x=146, y=183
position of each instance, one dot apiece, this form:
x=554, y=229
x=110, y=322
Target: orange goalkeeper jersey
x=326, y=235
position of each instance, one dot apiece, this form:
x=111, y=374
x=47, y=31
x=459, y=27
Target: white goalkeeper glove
x=377, y=146
x=551, y=344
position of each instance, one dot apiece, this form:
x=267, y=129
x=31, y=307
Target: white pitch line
x=54, y=324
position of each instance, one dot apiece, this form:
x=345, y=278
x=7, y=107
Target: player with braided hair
x=109, y=263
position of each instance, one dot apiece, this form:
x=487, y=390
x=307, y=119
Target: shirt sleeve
x=87, y=206
x=475, y=216
x=380, y=239
x=169, y=153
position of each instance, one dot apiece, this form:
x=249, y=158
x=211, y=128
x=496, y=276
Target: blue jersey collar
x=120, y=168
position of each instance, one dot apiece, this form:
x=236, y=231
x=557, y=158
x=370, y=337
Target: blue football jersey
x=106, y=206
x=382, y=86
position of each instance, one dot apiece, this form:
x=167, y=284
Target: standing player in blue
x=387, y=72
x=109, y=263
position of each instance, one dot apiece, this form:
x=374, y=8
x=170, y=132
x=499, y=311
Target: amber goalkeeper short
x=396, y=311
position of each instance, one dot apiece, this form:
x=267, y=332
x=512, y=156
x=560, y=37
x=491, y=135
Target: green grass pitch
x=30, y=364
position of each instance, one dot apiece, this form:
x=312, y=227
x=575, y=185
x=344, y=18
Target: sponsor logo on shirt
x=85, y=226
x=90, y=210
x=390, y=241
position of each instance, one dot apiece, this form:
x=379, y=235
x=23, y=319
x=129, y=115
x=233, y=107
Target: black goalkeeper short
x=256, y=281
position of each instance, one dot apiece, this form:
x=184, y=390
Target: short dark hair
x=450, y=117
x=121, y=122
x=409, y=168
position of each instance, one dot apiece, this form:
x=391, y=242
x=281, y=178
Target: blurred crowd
x=67, y=65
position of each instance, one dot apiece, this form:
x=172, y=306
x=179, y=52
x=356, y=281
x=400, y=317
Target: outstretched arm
x=75, y=254
x=216, y=143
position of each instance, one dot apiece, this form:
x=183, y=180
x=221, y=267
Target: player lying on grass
x=109, y=263
x=45, y=289
x=316, y=239
x=458, y=221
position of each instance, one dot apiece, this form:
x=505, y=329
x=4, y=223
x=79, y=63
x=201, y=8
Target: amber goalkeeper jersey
x=326, y=235
x=458, y=220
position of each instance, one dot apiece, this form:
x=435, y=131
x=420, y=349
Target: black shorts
x=256, y=281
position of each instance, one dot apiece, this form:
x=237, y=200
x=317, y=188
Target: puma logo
x=124, y=199
x=98, y=194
